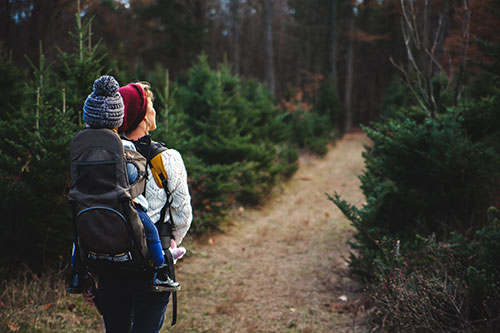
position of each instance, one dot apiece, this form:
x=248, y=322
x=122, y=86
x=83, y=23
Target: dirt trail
x=281, y=266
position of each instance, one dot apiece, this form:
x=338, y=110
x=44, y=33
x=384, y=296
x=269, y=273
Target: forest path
x=281, y=266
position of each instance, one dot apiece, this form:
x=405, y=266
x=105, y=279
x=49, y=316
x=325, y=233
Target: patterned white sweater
x=178, y=187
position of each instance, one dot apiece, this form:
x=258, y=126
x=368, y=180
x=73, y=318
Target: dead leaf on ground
x=45, y=307
x=13, y=327
x=69, y=317
x=342, y=307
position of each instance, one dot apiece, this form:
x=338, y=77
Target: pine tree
x=235, y=141
x=34, y=174
x=34, y=149
x=81, y=67
x=11, y=86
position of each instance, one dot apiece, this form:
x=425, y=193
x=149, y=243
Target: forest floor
x=281, y=266
x=277, y=267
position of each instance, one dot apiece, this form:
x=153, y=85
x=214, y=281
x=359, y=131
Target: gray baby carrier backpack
x=108, y=233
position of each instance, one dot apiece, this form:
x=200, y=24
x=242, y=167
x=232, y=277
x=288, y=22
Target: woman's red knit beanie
x=136, y=104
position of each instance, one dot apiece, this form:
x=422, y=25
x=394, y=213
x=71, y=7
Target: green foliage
x=232, y=138
x=482, y=85
x=34, y=148
x=439, y=177
x=481, y=118
x=328, y=104
x=80, y=68
x=11, y=86
x=423, y=178
x=34, y=175
x=310, y=130
x=211, y=188
x=427, y=237
x=312, y=127
x=398, y=98
x=480, y=255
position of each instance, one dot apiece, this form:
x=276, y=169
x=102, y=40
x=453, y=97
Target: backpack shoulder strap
x=153, y=150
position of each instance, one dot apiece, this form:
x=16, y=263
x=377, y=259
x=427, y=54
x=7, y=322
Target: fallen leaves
x=46, y=307
x=13, y=327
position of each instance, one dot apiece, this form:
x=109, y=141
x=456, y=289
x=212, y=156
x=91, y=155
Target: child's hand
x=179, y=252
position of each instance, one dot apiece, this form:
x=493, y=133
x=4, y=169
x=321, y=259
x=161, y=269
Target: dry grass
x=32, y=303
x=281, y=267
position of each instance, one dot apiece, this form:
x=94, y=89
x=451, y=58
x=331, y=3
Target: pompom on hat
x=136, y=105
x=104, y=106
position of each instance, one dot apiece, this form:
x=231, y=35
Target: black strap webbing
x=170, y=262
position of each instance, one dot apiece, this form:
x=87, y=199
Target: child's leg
x=161, y=280
x=152, y=239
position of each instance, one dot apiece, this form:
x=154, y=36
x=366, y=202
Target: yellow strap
x=158, y=170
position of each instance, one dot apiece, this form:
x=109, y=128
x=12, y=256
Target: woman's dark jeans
x=128, y=305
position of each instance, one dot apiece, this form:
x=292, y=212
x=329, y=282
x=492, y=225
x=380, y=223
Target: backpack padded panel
x=109, y=231
x=92, y=148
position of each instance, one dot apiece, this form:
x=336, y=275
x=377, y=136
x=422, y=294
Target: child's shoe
x=162, y=281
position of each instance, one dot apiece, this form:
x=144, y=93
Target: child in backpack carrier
x=104, y=109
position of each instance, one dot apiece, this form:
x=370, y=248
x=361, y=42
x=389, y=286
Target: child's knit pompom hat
x=104, y=106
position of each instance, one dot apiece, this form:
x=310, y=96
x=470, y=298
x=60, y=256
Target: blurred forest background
x=242, y=86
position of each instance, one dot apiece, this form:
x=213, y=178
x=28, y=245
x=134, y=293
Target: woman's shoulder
x=172, y=159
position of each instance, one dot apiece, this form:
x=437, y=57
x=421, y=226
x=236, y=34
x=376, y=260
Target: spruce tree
x=11, y=86
x=34, y=174
x=81, y=67
x=235, y=142
x=34, y=149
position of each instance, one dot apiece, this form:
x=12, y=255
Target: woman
x=126, y=302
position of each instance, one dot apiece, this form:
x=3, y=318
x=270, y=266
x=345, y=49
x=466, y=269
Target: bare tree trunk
x=333, y=41
x=7, y=23
x=424, y=61
x=444, y=17
x=268, y=20
x=235, y=36
x=349, y=74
